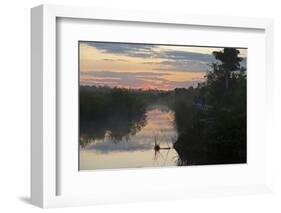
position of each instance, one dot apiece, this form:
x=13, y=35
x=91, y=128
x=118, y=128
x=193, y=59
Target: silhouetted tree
x=230, y=61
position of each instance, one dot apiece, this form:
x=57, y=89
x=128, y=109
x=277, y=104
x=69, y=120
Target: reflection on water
x=148, y=145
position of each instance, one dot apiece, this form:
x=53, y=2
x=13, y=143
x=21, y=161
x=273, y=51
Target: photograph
x=147, y=105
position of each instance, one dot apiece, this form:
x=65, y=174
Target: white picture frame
x=44, y=150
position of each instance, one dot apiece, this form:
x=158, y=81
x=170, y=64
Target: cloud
x=153, y=80
x=109, y=146
x=163, y=57
x=171, y=59
x=109, y=78
x=109, y=59
x=186, y=61
x=185, y=55
x=132, y=50
x=181, y=65
x=148, y=50
x=105, y=73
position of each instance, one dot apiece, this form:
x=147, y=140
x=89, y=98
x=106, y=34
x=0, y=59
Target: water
x=138, y=148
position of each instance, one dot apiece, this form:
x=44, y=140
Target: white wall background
x=15, y=105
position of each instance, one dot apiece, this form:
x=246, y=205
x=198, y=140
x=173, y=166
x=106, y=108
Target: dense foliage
x=213, y=128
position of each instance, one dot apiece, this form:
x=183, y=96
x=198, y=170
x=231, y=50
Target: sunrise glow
x=144, y=66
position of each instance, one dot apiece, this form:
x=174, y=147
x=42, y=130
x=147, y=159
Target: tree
x=230, y=61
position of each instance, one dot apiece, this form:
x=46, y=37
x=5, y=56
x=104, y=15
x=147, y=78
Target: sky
x=144, y=66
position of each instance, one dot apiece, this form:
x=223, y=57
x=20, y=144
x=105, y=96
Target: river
x=150, y=146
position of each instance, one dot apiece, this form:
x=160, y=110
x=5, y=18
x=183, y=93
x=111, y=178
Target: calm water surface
x=135, y=150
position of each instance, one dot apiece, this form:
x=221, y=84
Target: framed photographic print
x=130, y=105
x=132, y=98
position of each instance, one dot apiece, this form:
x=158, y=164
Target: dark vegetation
x=213, y=128
x=210, y=119
x=117, y=112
